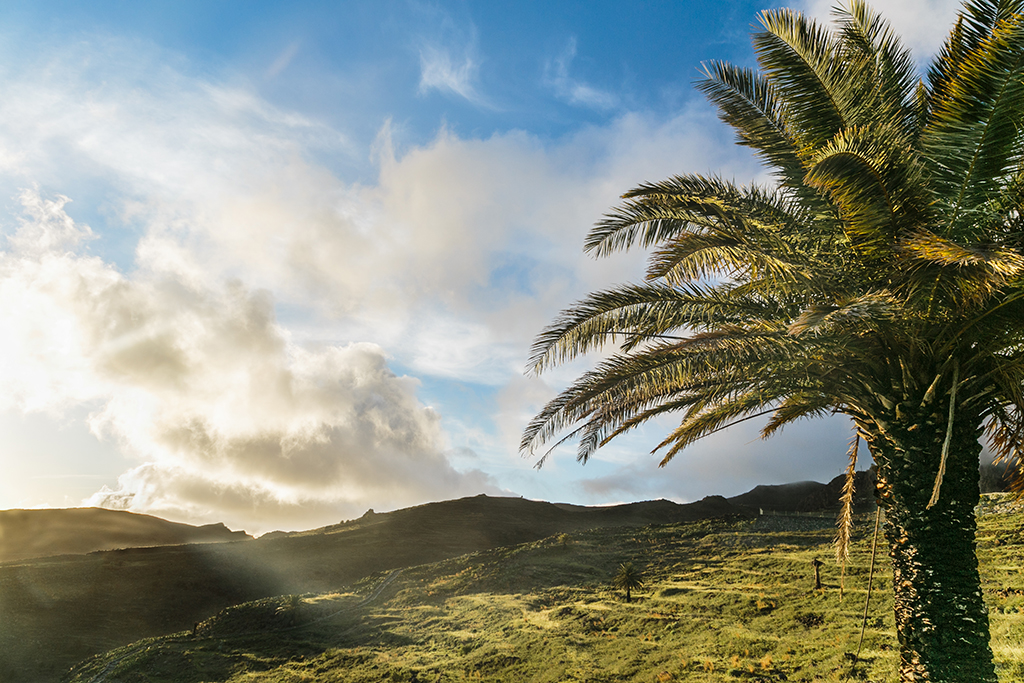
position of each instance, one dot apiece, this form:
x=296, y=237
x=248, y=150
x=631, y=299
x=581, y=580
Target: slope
x=41, y=533
x=723, y=600
x=58, y=610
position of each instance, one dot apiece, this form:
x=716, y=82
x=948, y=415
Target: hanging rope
x=871, y=576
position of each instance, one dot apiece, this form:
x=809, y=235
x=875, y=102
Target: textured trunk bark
x=941, y=619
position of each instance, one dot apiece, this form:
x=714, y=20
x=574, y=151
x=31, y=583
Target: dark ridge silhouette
x=40, y=533
x=808, y=496
x=996, y=477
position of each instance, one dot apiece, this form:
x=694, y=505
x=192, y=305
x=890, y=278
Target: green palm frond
x=929, y=247
x=974, y=24
x=943, y=68
x=639, y=313
x=876, y=181
x=798, y=406
x=697, y=425
x=800, y=58
x=698, y=257
x=656, y=212
x=747, y=102
x=653, y=221
x=866, y=313
x=974, y=134
x=880, y=59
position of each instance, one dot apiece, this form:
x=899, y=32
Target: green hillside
x=56, y=611
x=724, y=600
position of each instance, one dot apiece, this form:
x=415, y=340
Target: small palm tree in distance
x=628, y=579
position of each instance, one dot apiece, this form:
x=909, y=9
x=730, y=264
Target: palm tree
x=628, y=579
x=881, y=277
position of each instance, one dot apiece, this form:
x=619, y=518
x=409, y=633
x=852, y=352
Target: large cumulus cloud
x=229, y=417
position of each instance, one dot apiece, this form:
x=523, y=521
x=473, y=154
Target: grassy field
x=56, y=611
x=723, y=601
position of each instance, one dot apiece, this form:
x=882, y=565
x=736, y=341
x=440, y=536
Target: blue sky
x=274, y=263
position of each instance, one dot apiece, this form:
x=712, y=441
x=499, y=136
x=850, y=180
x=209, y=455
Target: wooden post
x=816, y=563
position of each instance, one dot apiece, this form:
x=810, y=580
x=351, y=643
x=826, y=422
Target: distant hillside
x=808, y=496
x=722, y=600
x=40, y=533
x=58, y=610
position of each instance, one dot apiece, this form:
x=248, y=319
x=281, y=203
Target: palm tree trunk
x=941, y=619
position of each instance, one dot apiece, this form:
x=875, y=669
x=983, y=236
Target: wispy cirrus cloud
x=556, y=75
x=283, y=59
x=441, y=71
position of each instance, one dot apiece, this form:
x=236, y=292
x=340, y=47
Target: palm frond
x=867, y=312
x=973, y=137
x=870, y=45
x=638, y=313
x=697, y=425
x=800, y=59
x=844, y=524
x=877, y=184
x=1005, y=432
x=927, y=246
x=797, y=406
x=975, y=23
x=747, y=102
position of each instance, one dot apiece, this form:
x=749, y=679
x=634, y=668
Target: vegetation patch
x=721, y=601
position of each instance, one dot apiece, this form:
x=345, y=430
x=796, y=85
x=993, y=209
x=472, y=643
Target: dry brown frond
x=845, y=521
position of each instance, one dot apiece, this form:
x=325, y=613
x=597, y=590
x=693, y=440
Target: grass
x=722, y=601
x=56, y=611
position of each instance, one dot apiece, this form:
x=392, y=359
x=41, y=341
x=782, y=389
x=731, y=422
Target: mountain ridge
x=46, y=532
x=60, y=609
x=27, y=534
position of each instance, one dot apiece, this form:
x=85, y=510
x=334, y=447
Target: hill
x=59, y=610
x=808, y=496
x=723, y=600
x=40, y=533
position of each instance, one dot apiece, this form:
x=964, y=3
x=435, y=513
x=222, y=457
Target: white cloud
x=46, y=227
x=456, y=256
x=440, y=71
x=207, y=389
x=922, y=24
x=556, y=75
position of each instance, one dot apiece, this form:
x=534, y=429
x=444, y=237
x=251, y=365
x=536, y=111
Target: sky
x=273, y=264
